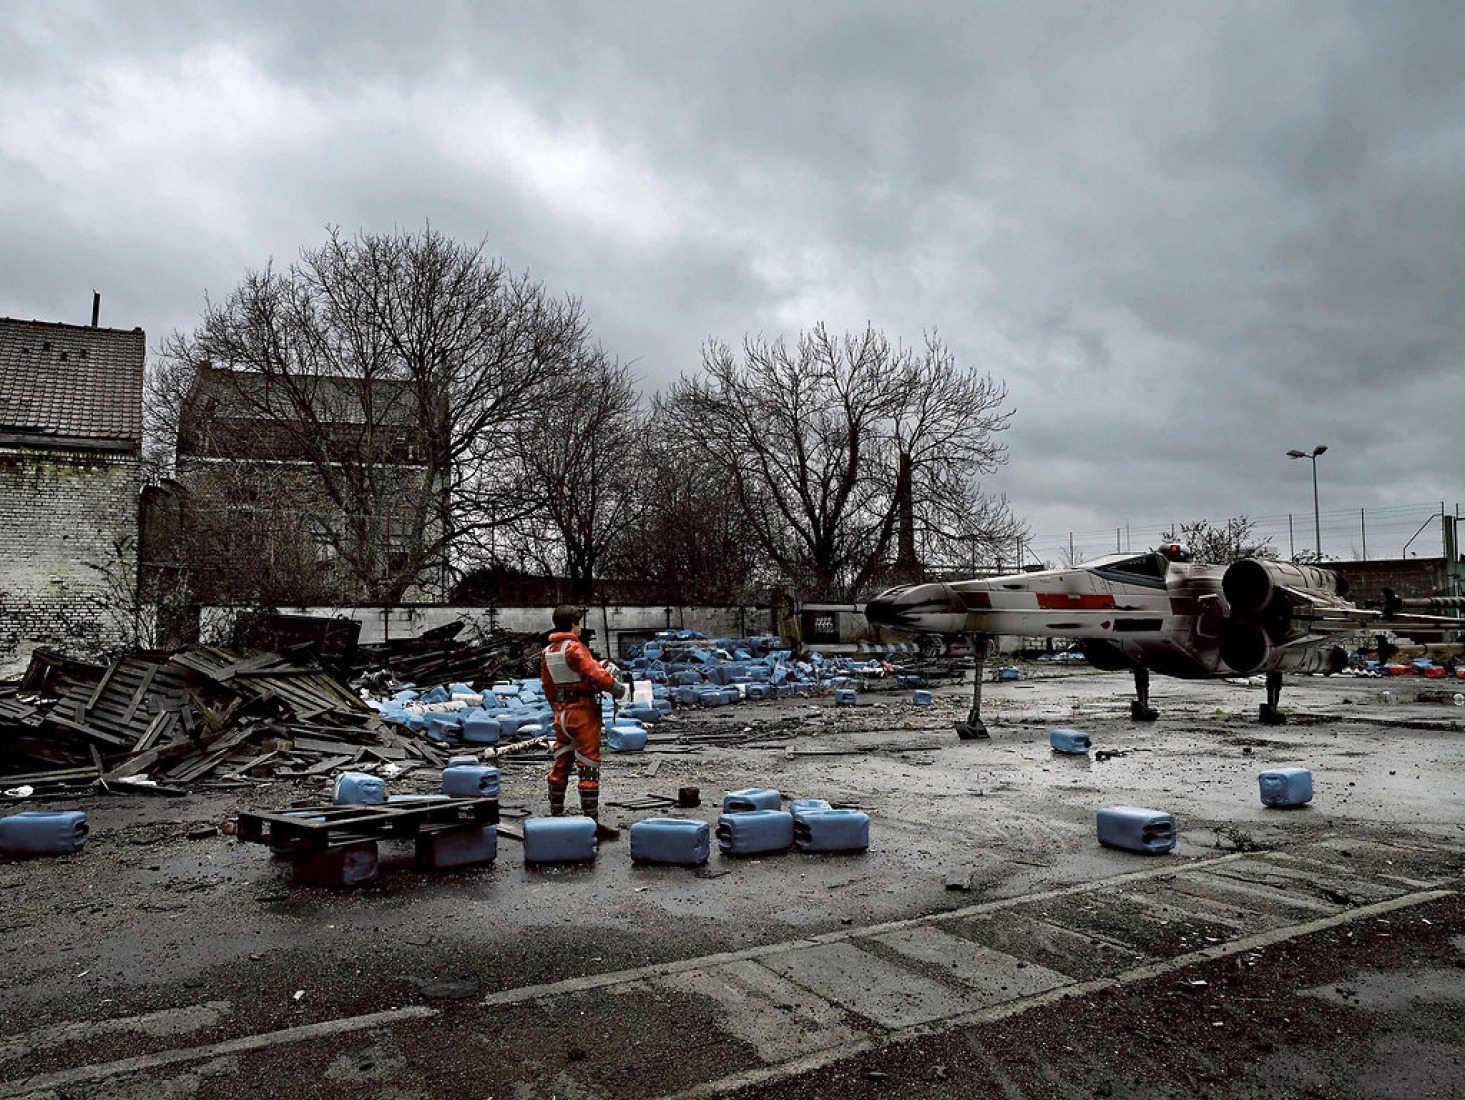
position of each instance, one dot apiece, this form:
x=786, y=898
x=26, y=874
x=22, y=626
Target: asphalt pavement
x=986, y=944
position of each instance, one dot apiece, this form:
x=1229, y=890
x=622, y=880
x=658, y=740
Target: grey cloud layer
x=1188, y=237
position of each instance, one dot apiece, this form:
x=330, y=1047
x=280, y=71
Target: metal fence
x=1353, y=534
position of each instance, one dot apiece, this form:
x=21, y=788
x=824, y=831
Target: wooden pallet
x=307, y=829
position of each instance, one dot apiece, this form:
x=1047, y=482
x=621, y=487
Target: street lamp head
x=1295, y=454
x=1319, y=449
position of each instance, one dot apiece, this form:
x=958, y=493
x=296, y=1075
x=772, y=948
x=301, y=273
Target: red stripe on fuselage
x=976, y=601
x=1065, y=601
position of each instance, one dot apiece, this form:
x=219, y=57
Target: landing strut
x=974, y=729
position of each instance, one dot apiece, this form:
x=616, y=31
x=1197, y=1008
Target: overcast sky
x=1189, y=237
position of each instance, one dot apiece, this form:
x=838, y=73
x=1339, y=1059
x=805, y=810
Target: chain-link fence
x=1352, y=534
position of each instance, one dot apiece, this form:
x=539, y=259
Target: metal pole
x=1317, y=523
x=1363, y=530
x=1291, y=538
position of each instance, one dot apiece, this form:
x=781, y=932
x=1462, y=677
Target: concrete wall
x=68, y=549
x=1406, y=576
x=621, y=625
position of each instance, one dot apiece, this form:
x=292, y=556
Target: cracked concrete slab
x=990, y=976
x=867, y=985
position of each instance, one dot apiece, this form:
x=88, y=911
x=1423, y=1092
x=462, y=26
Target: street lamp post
x=1317, y=526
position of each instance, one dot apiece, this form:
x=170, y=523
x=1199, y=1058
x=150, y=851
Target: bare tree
x=394, y=370
x=1212, y=545
x=840, y=449
x=579, y=453
x=690, y=545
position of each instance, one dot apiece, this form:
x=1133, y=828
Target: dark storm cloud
x=1189, y=238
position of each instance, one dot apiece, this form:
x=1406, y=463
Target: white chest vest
x=559, y=666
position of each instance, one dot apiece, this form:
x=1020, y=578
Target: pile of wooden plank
x=441, y=656
x=201, y=713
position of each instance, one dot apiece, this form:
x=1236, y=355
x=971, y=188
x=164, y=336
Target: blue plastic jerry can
x=356, y=865
x=626, y=737
x=753, y=798
x=43, y=833
x=755, y=832
x=444, y=726
x=559, y=839
x=463, y=847
x=1136, y=829
x=481, y=729
x=1284, y=787
x=359, y=789
x=1075, y=742
x=678, y=841
x=832, y=831
x=476, y=781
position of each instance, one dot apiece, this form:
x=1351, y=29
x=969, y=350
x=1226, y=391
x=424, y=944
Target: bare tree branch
x=825, y=444
x=396, y=368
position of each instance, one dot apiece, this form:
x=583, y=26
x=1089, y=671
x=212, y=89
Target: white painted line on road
x=663, y=970
x=170, y=1021
x=1256, y=895
x=767, y=1074
x=142, y=1062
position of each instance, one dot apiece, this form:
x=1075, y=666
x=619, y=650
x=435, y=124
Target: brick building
x=70, y=474
x=299, y=489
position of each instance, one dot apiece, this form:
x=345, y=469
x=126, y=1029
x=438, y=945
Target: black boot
x=590, y=807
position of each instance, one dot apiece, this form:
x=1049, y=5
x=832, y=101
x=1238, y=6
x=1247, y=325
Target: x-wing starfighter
x=1160, y=612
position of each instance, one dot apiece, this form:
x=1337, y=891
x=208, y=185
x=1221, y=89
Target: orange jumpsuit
x=572, y=681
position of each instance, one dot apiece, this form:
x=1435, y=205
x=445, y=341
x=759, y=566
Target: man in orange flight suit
x=573, y=680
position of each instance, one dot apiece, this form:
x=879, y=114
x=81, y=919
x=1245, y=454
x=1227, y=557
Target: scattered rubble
x=152, y=722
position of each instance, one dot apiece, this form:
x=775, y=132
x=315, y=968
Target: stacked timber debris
x=455, y=651
x=200, y=713
x=152, y=721
x=441, y=655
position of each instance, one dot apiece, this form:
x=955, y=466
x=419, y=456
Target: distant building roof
x=71, y=385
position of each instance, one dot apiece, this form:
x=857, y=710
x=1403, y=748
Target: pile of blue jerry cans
x=754, y=822
x=679, y=668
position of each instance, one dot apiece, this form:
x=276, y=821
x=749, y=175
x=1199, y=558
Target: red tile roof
x=71, y=384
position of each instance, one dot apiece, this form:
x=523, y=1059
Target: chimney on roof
x=96, y=308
